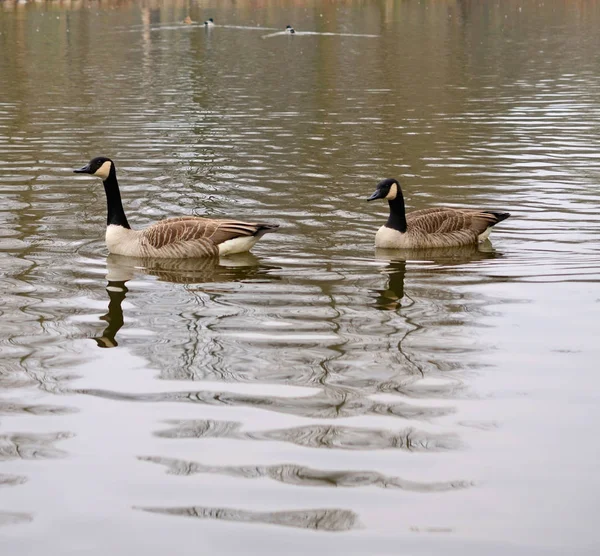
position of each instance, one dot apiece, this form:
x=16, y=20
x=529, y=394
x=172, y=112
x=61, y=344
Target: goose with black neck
x=432, y=227
x=173, y=238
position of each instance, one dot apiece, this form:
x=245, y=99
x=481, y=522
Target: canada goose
x=433, y=227
x=289, y=29
x=175, y=238
x=209, y=22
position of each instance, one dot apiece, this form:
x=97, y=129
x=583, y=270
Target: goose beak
x=377, y=195
x=84, y=170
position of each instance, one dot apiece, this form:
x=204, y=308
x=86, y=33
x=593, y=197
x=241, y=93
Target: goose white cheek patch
x=103, y=171
x=392, y=193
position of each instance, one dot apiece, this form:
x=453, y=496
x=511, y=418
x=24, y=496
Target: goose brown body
x=186, y=237
x=433, y=227
x=175, y=238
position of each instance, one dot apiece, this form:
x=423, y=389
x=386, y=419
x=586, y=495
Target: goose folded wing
x=438, y=220
x=225, y=230
x=186, y=229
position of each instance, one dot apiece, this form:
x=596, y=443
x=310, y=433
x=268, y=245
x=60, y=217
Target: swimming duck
x=433, y=227
x=209, y=22
x=289, y=29
x=176, y=238
x=188, y=20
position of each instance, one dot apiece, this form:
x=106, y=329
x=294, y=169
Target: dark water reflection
x=11, y=480
x=322, y=519
x=317, y=360
x=31, y=446
x=10, y=518
x=187, y=271
x=332, y=403
x=305, y=476
x=318, y=436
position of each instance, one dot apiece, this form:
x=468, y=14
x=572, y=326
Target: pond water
x=314, y=396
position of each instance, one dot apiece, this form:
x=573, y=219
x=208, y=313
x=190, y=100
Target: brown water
x=451, y=398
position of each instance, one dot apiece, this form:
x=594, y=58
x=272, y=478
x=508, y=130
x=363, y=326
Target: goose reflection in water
x=121, y=269
x=394, y=299
x=390, y=298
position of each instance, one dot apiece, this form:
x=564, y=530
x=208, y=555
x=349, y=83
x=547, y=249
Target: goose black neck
x=116, y=214
x=397, y=218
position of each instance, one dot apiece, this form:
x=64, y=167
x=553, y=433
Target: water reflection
x=318, y=436
x=11, y=408
x=322, y=519
x=390, y=298
x=315, y=33
x=31, y=446
x=443, y=256
x=11, y=480
x=300, y=475
x=117, y=291
x=121, y=269
x=330, y=403
x=11, y=518
x=186, y=271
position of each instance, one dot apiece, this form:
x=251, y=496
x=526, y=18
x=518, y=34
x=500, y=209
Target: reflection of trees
x=305, y=476
x=326, y=519
x=27, y=446
x=31, y=446
x=319, y=436
x=219, y=336
x=330, y=403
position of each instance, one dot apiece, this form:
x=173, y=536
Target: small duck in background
x=187, y=20
x=210, y=22
x=289, y=30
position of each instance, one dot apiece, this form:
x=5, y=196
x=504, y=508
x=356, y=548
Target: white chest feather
x=122, y=241
x=237, y=245
x=483, y=236
x=388, y=238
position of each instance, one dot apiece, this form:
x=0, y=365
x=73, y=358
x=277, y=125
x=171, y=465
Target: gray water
x=315, y=396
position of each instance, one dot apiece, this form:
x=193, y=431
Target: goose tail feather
x=499, y=216
x=265, y=228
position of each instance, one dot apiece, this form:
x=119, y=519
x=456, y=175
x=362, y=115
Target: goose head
x=289, y=29
x=100, y=167
x=209, y=22
x=386, y=189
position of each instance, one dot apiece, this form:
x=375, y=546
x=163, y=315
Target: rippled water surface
x=315, y=396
